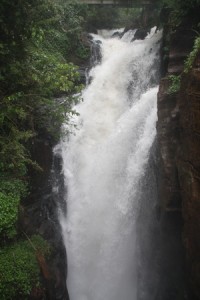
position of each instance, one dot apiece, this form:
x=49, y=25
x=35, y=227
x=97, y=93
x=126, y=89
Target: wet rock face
x=173, y=284
x=179, y=146
x=168, y=135
x=189, y=170
x=39, y=215
x=140, y=34
x=180, y=45
x=168, y=126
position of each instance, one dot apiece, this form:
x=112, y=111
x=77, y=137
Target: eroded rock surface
x=179, y=143
x=188, y=164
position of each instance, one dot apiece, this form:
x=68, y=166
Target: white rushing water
x=103, y=162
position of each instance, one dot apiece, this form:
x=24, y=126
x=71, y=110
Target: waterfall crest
x=103, y=161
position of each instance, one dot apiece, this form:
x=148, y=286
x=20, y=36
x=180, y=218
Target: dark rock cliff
x=179, y=146
x=188, y=165
x=39, y=215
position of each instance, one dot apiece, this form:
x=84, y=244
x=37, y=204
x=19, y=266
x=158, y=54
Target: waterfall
x=104, y=161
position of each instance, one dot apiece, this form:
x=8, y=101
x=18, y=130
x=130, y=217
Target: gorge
x=111, y=208
x=161, y=248
x=170, y=244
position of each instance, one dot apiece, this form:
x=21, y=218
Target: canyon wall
x=178, y=130
x=179, y=146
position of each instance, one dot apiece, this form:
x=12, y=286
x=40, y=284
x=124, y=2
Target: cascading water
x=104, y=160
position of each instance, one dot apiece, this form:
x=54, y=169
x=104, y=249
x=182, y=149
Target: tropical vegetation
x=40, y=41
x=37, y=39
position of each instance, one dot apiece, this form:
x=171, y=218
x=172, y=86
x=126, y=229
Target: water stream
x=104, y=161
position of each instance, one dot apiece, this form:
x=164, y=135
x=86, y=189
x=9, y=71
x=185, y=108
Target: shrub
x=8, y=214
x=11, y=192
x=191, y=57
x=175, y=83
x=19, y=270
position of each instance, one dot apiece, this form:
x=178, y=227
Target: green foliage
x=175, y=81
x=82, y=52
x=180, y=9
x=11, y=192
x=126, y=16
x=19, y=270
x=37, y=81
x=36, y=84
x=72, y=23
x=14, y=187
x=114, y=17
x=181, y=4
x=36, y=39
x=101, y=17
x=8, y=214
x=191, y=57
